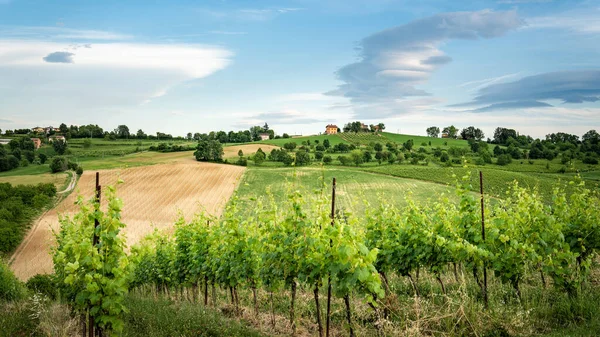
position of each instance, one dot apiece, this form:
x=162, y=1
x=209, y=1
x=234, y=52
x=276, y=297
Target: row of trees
x=358, y=126
x=452, y=132
x=18, y=204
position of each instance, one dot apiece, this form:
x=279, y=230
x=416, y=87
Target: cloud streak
x=576, y=86
x=395, y=61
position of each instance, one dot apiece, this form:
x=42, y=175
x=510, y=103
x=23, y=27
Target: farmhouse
x=331, y=129
x=444, y=135
x=38, y=129
x=53, y=138
x=264, y=136
x=36, y=143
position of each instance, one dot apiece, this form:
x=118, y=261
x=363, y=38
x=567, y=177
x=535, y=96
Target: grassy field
x=333, y=139
x=398, y=138
x=57, y=179
x=352, y=186
x=496, y=182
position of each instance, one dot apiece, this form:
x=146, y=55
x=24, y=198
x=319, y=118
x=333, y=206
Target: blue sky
x=190, y=66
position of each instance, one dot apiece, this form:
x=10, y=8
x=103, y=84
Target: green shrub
x=43, y=157
x=11, y=289
x=504, y=159
x=79, y=170
x=43, y=284
x=59, y=164
x=327, y=159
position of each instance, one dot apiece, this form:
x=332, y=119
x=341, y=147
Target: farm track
x=153, y=197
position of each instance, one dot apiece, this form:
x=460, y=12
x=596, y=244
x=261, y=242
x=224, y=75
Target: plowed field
x=152, y=196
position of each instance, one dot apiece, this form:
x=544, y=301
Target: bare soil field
x=152, y=195
x=249, y=149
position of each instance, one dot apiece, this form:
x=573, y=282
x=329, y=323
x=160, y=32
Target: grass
x=57, y=179
x=399, y=138
x=333, y=139
x=363, y=138
x=496, y=182
x=352, y=186
x=26, y=171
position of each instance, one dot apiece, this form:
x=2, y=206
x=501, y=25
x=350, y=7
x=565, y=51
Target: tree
x=285, y=135
x=259, y=157
x=504, y=159
x=87, y=143
x=381, y=127
x=378, y=147
x=501, y=135
x=241, y=153
x=318, y=155
x=326, y=144
x=210, y=150
x=42, y=157
x=189, y=136
x=289, y=146
x=592, y=136
x=451, y=131
x=444, y=157
x=266, y=127
x=357, y=157
x=122, y=131
x=433, y=131
x=408, y=145
x=472, y=133
x=141, y=135
x=302, y=158
x=327, y=159
x=60, y=146
x=59, y=164
x=63, y=128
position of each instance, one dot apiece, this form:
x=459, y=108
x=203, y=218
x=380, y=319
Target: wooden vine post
x=95, y=243
x=328, y=319
x=485, y=292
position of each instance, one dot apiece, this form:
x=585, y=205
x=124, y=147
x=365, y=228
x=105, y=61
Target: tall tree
x=60, y=146
x=472, y=133
x=189, y=136
x=63, y=128
x=141, y=135
x=122, y=131
x=451, y=131
x=501, y=135
x=433, y=131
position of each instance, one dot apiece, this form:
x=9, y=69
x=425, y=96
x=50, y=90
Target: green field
x=353, y=187
x=333, y=139
x=435, y=142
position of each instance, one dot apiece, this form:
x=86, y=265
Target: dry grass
x=249, y=149
x=57, y=179
x=152, y=197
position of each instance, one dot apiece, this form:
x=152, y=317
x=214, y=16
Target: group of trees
x=358, y=126
x=210, y=150
x=18, y=152
x=453, y=132
x=18, y=204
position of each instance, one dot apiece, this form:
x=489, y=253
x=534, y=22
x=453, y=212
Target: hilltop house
x=38, y=129
x=264, y=136
x=444, y=135
x=53, y=138
x=36, y=143
x=331, y=129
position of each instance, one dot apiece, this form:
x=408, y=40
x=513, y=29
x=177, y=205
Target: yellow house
x=331, y=129
x=38, y=129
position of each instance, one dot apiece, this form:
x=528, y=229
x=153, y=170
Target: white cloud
x=579, y=21
x=102, y=77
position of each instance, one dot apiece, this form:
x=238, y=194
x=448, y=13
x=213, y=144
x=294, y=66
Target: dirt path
x=72, y=183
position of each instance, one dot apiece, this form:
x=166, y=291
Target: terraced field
x=152, y=197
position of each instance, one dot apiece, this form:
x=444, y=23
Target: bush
x=318, y=155
x=43, y=284
x=504, y=159
x=242, y=161
x=24, y=163
x=327, y=159
x=444, y=157
x=73, y=166
x=11, y=289
x=590, y=160
x=43, y=157
x=40, y=200
x=79, y=170
x=59, y=164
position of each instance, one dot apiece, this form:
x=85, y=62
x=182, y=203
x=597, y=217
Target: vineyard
x=363, y=138
x=350, y=266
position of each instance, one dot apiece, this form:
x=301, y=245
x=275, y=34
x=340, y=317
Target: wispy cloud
x=225, y=32
x=246, y=14
x=395, y=61
x=578, y=21
x=519, y=2
x=476, y=85
x=59, y=33
x=567, y=86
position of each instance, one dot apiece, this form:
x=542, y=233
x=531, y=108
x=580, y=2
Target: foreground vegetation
x=416, y=270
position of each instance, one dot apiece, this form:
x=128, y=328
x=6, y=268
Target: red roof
x=331, y=126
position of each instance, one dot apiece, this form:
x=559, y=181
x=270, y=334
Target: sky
x=298, y=65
